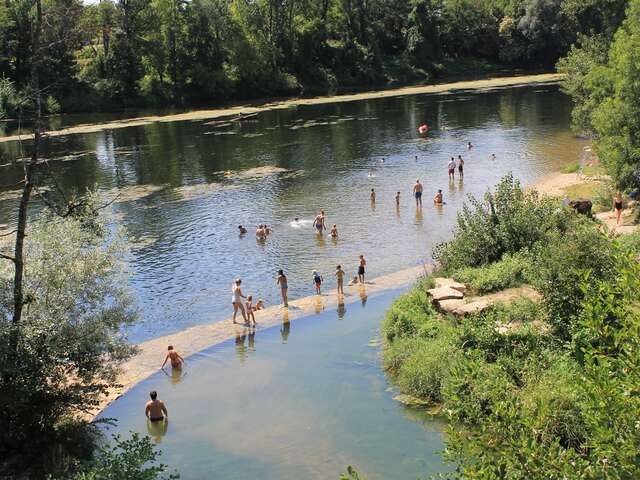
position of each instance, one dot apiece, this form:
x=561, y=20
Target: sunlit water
x=307, y=399
x=186, y=186
x=301, y=401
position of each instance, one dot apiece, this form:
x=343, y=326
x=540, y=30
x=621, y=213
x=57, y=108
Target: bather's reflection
x=157, y=430
x=363, y=295
x=286, y=327
x=341, y=310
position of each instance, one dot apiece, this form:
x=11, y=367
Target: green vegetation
x=508, y=272
x=61, y=355
x=130, y=53
x=532, y=390
x=603, y=81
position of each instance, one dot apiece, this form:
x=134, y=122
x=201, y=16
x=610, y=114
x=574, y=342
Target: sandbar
x=244, y=110
x=200, y=337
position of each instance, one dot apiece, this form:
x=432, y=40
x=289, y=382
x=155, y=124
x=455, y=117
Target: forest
x=115, y=54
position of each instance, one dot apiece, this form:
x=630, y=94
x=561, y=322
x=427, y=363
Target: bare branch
x=7, y=257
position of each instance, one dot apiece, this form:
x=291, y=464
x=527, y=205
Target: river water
x=306, y=399
x=186, y=186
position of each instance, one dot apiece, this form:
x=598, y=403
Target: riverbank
x=195, y=339
x=249, y=109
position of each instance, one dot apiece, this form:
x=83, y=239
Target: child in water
x=334, y=231
x=340, y=277
x=248, y=306
x=317, y=281
x=259, y=305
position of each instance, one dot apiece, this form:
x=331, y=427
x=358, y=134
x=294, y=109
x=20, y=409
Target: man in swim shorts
x=417, y=192
x=460, y=166
x=155, y=409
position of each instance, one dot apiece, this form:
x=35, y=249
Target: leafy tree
x=63, y=353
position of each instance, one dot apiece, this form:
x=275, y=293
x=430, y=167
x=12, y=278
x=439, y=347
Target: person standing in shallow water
x=284, y=287
x=452, y=169
x=460, y=166
x=318, y=222
x=361, y=270
x=176, y=359
x=236, y=300
x=155, y=410
x=417, y=192
x=340, y=278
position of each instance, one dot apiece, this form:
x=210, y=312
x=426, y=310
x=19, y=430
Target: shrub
x=507, y=221
x=506, y=273
x=561, y=264
x=410, y=314
x=551, y=404
x=425, y=370
x=397, y=353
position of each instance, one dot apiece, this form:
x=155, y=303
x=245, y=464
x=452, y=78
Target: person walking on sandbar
x=236, y=300
x=417, y=192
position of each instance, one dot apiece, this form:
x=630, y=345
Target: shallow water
x=185, y=186
x=301, y=401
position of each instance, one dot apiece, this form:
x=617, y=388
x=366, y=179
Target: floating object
x=422, y=129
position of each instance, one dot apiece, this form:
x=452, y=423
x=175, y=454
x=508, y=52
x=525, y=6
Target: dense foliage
x=535, y=390
x=119, y=53
x=63, y=354
x=603, y=80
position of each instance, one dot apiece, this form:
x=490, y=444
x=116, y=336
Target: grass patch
x=507, y=273
x=581, y=190
x=571, y=168
x=594, y=170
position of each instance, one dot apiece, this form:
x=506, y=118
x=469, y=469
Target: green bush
x=571, y=168
x=631, y=242
x=396, y=353
x=551, y=405
x=426, y=369
x=507, y=221
x=409, y=315
x=562, y=263
x=506, y=273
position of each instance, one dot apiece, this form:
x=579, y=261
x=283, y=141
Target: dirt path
x=476, y=85
x=201, y=337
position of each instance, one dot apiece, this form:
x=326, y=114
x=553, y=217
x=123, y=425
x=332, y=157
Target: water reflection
x=184, y=190
x=342, y=310
x=157, y=430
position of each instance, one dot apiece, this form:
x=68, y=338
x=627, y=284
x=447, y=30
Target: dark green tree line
x=122, y=53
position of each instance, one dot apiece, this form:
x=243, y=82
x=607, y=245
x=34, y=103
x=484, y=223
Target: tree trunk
x=29, y=167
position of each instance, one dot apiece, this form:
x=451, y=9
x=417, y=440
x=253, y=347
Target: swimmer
x=382, y=161
x=242, y=230
x=493, y=156
x=176, y=359
x=354, y=280
x=340, y=278
x=318, y=222
x=259, y=305
x=267, y=230
x=452, y=168
x=397, y=199
x=437, y=199
x=250, y=309
x=260, y=232
x=469, y=146
x=155, y=410
x=373, y=196
x=334, y=231
x=417, y=192
x=317, y=281
x=361, y=265
x=415, y=158
x=460, y=166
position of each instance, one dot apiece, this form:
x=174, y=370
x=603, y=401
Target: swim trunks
x=418, y=194
x=360, y=270
x=460, y=168
x=156, y=419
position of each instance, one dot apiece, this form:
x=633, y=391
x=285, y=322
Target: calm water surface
x=301, y=401
x=185, y=186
